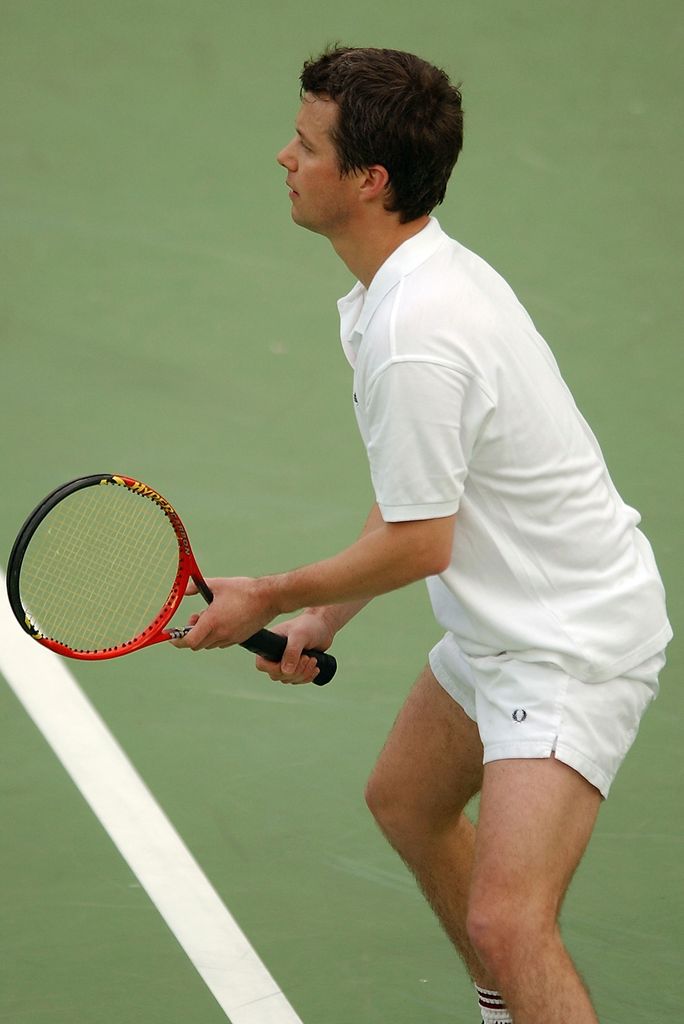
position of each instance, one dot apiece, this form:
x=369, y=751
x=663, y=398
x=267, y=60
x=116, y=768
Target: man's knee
x=410, y=820
x=488, y=926
x=383, y=799
x=404, y=819
x=504, y=926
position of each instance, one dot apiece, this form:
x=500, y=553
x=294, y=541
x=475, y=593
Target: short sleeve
x=424, y=418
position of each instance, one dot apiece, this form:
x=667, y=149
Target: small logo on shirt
x=519, y=715
x=356, y=401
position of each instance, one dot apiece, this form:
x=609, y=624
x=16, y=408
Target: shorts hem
x=586, y=768
x=542, y=749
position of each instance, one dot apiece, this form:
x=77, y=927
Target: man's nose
x=286, y=158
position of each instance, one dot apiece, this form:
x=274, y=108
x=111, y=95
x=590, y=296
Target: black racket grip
x=272, y=647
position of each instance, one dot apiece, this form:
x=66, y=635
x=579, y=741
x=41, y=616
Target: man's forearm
x=386, y=556
x=338, y=615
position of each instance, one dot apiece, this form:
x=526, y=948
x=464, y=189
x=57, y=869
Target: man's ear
x=375, y=182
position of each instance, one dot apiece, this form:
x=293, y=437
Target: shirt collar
x=357, y=308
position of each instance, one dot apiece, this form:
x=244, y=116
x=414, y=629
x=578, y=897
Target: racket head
x=99, y=567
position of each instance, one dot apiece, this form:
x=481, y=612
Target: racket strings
x=99, y=568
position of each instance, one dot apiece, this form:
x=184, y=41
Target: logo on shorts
x=519, y=715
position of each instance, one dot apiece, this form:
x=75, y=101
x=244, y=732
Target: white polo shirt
x=462, y=409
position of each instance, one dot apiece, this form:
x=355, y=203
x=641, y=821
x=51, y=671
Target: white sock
x=492, y=1007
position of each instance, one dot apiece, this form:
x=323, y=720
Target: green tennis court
x=160, y=316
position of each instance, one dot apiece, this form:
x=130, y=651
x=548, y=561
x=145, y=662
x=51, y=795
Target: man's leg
x=429, y=769
x=536, y=817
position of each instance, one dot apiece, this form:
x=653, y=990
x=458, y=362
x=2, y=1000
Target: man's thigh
x=433, y=755
x=536, y=818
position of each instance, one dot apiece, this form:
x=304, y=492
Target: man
x=490, y=485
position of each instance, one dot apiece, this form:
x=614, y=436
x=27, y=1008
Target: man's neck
x=365, y=253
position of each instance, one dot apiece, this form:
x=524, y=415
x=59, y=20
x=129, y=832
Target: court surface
x=162, y=317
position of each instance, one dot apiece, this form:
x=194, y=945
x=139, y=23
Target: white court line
x=139, y=828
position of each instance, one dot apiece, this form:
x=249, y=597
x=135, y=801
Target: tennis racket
x=100, y=567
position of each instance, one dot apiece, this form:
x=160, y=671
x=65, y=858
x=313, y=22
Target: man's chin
x=302, y=222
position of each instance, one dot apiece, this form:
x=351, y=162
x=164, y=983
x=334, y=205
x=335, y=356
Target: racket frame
x=155, y=631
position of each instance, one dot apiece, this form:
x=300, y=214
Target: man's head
x=394, y=110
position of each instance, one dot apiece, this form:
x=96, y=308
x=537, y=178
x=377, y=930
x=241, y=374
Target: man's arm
x=335, y=616
x=314, y=629
x=386, y=556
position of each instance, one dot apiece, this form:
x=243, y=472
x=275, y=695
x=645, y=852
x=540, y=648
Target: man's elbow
x=435, y=555
x=436, y=562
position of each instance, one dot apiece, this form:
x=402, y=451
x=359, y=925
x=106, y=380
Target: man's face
x=322, y=199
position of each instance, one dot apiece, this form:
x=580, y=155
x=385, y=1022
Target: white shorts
x=535, y=709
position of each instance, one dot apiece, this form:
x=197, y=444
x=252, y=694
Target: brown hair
x=395, y=110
